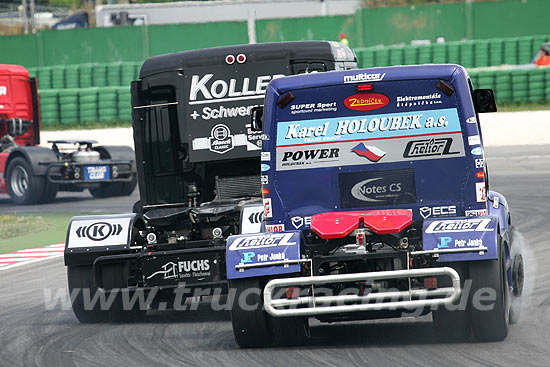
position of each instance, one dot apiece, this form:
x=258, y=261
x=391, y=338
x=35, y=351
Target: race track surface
x=31, y=335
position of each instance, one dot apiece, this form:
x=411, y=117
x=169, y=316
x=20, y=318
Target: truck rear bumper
x=388, y=300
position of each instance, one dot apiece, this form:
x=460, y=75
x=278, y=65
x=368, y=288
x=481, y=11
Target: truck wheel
x=114, y=278
x=24, y=188
x=490, y=321
x=111, y=189
x=50, y=192
x=80, y=281
x=250, y=322
x=290, y=331
x=452, y=323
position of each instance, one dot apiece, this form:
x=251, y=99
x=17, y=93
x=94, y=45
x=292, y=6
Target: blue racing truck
x=376, y=204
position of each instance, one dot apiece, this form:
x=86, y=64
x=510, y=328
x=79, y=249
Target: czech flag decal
x=373, y=154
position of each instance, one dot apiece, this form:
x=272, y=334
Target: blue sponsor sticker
x=265, y=167
x=262, y=249
x=477, y=151
x=461, y=233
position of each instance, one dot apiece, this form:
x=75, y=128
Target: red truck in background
x=33, y=174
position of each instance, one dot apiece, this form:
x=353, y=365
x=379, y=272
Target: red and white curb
x=22, y=257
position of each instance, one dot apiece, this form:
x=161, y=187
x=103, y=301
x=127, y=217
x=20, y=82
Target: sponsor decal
x=366, y=101
x=410, y=101
x=459, y=225
x=261, y=241
x=262, y=248
x=296, y=109
x=221, y=112
x=268, y=210
x=428, y=147
x=221, y=140
x=364, y=77
x=264, y=179
x=3, y=90
x=205, y=89
x=275, y=228
x=477, y=151
x=251, y=219
x=99, y=231
x=265, y=167
x=353, y=153
x=480, y=163
x=97, y=173
x=460, y=233
x=372, y=153
x=309, y=156
x=377, y=188
x=437, y=211
x=471, y=120
x=481, y=194
x=298, y=222
x=183, y=269
x=266, y=156
x=372, y=127
x=476, y=213
x=474, y=140
x=458, y=243
x=102, y=231
x=444, y=242
x=480, y=174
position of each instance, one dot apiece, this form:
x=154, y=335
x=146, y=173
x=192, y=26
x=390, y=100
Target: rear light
x=430, y=283
x=115, y=171
x=292, y=292
x=365, y=87
x=77, y=175
x=230, y=59
x=241, y=58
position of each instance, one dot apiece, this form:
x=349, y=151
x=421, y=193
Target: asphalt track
x=30, y=335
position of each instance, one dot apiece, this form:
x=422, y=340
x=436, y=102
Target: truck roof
x=7, y=69
x=257, y=52
x=410, y=72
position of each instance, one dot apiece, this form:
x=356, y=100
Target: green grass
x=29, y=230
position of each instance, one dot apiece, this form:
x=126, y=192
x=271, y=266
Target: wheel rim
x=19, y=181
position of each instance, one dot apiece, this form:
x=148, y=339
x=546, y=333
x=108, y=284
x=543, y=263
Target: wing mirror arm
x=257, y=118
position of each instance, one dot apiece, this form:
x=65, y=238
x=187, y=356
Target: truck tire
x=50, y=192
x=453, y=323
x=23, y=186
x=112, y=189
x=490, y=323
x=114, y=279
x=290, y=331
x=250, y=322
x=80, y=281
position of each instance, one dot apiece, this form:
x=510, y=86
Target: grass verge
x=29, y=230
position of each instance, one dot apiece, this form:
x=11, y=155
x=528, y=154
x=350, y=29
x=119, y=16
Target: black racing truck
x=199, y=175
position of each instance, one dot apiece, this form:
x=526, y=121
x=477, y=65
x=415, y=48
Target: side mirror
x=484, y=101
x=257, y=116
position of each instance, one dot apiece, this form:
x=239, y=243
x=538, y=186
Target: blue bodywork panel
x=262, y=248
x=461, y=233
x=372, y=139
